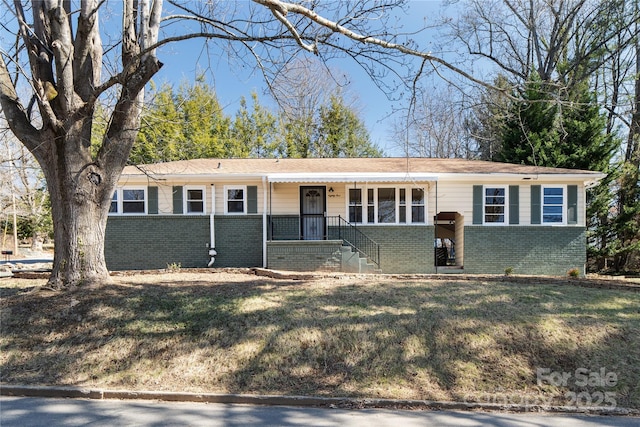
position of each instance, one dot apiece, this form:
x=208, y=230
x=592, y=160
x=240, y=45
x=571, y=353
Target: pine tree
x=566, y=130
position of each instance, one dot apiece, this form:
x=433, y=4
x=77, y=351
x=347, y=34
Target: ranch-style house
x=389, y=215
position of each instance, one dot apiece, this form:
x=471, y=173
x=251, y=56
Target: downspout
x=212, y=230
x=435, y=232
x=264, y=222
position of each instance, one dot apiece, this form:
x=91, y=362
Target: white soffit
x=349, y=177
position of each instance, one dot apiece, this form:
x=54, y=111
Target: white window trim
x=120, y=191
x=244, y=199
x=118, y=199
x=185, y=202
x=506, y=205
x=564, y=205
x=408, y=205
x=363, y=202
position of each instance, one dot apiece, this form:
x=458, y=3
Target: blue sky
x=185, y=60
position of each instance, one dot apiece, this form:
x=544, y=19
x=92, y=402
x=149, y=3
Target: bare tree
x=435, y=125
x=60, y=55
x=23, y=189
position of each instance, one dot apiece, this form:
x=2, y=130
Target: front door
x=313, y=208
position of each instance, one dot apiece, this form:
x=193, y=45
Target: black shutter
x=252, y=199
x=152, y=193
x=477, y=204
x=177, y=199
x=536, y=207
x=514, y=204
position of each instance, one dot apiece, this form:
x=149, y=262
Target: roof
x=347, y=169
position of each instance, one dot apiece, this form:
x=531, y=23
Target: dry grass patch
x=352, y=336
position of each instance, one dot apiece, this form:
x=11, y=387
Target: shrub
x=574, y=272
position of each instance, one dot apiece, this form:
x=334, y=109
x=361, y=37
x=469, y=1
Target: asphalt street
x=48, y=412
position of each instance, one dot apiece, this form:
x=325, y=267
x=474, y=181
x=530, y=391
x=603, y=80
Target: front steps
x=353, y=262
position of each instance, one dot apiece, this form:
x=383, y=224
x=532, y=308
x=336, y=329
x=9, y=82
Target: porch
x=320, y=242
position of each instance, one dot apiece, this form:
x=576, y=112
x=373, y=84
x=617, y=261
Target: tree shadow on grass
x=418, y=340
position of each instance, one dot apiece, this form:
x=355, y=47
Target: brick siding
x=238, y=241
x=403, y=249
x=528, y=250
x=305, y=255
x=148, y=242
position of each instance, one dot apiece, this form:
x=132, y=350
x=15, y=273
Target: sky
x=186, y=60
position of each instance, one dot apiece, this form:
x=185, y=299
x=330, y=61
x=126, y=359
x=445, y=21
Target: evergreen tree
x=256, y=133
x=161, y=135
x=341, y=133
x=189, y=124
x=206, y=129
x=549, y=129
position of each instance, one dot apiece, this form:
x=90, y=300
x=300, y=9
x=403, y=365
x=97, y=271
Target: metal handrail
x=336, y=228
x=350, y=235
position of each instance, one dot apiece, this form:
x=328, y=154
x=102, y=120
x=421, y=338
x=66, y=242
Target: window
x=235, y=200
x=129, y=200
x=417, y=205
x=386, y=205
x=133, y=200
x=553, y=205
x=371, y=206
x=194, y=200
x=114, y=203
x=355, y=205
x=402, y=206
x=495, y=205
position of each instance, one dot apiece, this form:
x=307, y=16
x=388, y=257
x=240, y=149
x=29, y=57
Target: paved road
x=49, y=412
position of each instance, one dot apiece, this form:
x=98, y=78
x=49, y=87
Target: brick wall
x=149, y=242
x=403, y=249
x=238, y=241
x=305, y=255
x=528, y=250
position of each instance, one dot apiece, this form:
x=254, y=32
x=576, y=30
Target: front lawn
x=372, y=336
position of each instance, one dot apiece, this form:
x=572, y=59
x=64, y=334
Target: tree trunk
x=80, y=199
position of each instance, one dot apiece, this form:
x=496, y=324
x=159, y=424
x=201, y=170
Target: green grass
x=361, y=337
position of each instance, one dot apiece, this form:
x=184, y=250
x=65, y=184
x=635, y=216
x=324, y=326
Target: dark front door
x=313, y=208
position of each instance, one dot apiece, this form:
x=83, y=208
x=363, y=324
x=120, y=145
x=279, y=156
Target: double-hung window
x=114, y=203
x=134, y=200
x=355, y=205
x=386, y=205
x=553, y=205
x=235, y=200
x=417, y=205
x=129, y=200
x=402, y=204
x=194, y=200
x=371, y=206
x=495, y=205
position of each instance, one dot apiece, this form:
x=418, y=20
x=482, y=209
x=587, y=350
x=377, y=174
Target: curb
x=274, y=400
